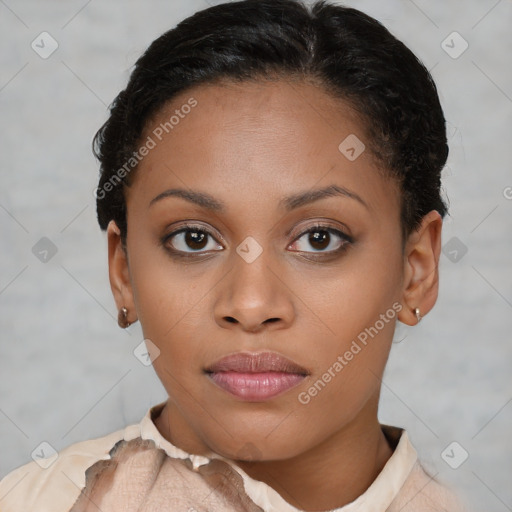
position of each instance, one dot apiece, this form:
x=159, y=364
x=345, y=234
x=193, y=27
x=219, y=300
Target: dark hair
x=350, y=54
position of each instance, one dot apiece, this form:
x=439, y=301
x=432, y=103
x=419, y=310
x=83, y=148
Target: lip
x=256, y=376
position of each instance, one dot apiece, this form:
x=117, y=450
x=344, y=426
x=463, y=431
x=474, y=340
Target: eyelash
x=346, y=240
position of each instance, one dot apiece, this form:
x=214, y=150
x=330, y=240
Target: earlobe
x=119, y=276
x=421, y=274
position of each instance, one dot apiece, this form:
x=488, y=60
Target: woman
x=270, y=189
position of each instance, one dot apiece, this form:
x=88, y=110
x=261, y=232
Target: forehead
x=252, y=142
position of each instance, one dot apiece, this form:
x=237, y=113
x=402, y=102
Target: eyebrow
x=288, y=203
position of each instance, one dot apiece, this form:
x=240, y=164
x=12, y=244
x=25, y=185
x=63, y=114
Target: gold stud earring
x=122, y=318
x=417, y=313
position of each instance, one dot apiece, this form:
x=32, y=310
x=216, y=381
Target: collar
x=376, y=498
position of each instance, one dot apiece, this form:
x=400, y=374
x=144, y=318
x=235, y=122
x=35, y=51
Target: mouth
x=256, y=377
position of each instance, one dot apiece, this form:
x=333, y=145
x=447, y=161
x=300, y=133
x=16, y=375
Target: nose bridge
x=253, y=275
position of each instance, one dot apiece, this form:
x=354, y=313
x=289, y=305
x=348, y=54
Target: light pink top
x=141, y=471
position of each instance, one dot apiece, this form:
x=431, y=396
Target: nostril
x=231, y=319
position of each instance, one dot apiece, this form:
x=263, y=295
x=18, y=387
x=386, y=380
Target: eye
x=322, y=239
x=195, y=238
x=191, y=240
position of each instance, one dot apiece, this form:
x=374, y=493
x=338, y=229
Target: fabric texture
x=137, y=469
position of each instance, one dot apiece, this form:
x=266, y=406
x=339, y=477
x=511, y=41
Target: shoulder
x=54, y=484
x=423, y=493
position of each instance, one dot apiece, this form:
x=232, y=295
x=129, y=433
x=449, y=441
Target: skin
x=249, y=145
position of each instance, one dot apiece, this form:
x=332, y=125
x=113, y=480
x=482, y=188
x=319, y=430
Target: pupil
x=319, y=237
x=194, y=239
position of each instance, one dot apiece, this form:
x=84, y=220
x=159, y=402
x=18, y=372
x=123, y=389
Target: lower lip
x=256, y=386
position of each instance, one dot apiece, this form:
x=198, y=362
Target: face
x=252, y=257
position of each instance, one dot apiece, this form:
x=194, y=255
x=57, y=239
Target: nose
x=254, y=296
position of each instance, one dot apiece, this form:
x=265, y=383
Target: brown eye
x=190, y=239
x=196, y=239
x=319, y=240
x=322, y=239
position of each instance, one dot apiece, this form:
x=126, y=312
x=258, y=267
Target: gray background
x=68, y=373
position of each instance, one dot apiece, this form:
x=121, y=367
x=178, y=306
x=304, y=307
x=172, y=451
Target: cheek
x=356, y=312
x=171, y=300
x=353, y=296
x=169, y=310
x=160, y=295
x=348, y=369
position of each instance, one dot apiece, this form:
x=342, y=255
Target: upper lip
x=245, y=362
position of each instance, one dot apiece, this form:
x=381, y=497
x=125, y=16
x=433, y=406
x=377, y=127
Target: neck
x=327, y=476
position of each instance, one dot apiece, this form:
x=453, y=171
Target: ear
x=119, y=272
x=421, y=274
